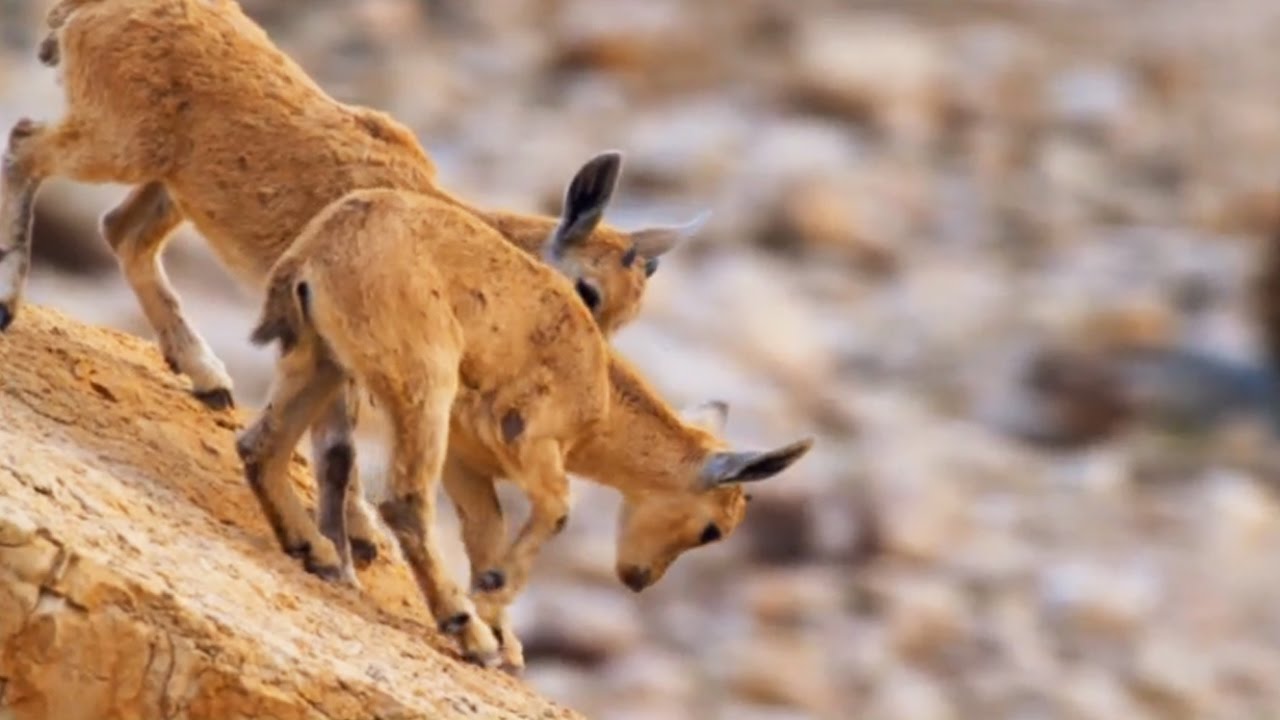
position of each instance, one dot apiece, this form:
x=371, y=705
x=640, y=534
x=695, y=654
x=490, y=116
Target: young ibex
x=473, y=348
x=190, y=101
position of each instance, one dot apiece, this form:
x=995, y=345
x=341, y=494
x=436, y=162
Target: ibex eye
x=710, y=534
x=588, y=293
x=629, y=257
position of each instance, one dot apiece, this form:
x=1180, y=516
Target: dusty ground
x=137, y=578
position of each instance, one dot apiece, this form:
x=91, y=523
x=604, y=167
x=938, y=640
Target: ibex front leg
x=542, y=477
x=484, y=535
x=137, y=230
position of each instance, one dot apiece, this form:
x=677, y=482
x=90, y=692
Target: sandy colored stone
x=783, y=669
x=871, y=69
x=138, y=578
x=908, y=695
x=927, y=617
x=791, y=597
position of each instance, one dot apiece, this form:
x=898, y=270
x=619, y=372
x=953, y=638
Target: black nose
x=636, y=578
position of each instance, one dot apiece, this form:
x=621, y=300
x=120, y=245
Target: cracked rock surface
x=139, y=580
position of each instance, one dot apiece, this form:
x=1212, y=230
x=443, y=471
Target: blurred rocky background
x=998, y=255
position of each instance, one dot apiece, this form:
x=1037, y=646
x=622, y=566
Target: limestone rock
x=1093, y=695
x=1175, y=679
x=784, y=669
x=823, y=218
x=1094, y=597
x=927, y=618
x=791, y=597
x=908, y=695
x=886, y=73
x=139, y=579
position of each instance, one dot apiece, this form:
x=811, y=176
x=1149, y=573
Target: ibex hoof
x=363, y=552
x=328, y=573
x=301, y=551
x=216, y=399
x=23, y=129
x=6, y=317
x=455, y=625
x=49, y=52
x=484, y=660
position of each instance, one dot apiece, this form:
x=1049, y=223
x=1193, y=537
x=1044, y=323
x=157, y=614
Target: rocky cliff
x=138, y=579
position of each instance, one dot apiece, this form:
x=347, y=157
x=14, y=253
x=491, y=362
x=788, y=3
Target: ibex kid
x=476, y=351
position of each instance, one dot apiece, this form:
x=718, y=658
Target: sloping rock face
x=138, y=579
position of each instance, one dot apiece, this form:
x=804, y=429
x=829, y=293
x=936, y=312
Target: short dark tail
x=284, y=311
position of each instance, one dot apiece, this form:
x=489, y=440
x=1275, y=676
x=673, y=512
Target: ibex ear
x=585, y=200
x=710, y=415
x=653, y=242
x=724, y=468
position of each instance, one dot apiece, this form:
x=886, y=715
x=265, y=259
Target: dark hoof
x=363, y=553
x=455, y=624
x=479, y=660
x=173, y=364
x=515, y=671
x=6, y=318
x=218, y=399
x=24, y=128
x=491, y=580
x=245, y=450
x=329, y=573
x=299, y=552
x=48, y=53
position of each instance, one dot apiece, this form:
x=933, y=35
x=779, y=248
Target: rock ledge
x=138, y=580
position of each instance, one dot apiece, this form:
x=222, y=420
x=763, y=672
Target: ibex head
x=609, y=267
x=703, y=503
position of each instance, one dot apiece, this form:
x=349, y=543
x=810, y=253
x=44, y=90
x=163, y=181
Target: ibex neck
x=642, y=444
x=527, y=232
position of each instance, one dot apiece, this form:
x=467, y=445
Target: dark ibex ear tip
x=799, y=448
x=611, y=159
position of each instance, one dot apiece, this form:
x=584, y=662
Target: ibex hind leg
x=421, y=424
x=341, y=512
x=304, y=384
x=18, y=190
x=35, y=152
